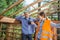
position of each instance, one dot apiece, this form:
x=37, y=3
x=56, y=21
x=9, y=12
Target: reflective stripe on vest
x=47, y=33
x=44, y=36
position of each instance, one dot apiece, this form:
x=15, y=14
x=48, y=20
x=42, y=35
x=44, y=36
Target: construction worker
x=27, y=26
x=44, y=32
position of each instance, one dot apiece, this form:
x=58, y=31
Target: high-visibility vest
x=46, y=33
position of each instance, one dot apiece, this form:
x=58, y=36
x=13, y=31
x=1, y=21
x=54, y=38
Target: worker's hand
x=32, y=23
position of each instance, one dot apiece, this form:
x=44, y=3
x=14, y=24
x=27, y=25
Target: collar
x=27, y=18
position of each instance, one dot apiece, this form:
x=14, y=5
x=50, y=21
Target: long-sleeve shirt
x=52, y=25
x=26, y=27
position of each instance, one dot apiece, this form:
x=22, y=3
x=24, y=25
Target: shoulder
x=31, y=18
x=19, y=17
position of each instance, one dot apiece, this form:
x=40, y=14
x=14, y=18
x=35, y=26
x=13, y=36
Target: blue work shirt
x=26, y=28
x=51, y=23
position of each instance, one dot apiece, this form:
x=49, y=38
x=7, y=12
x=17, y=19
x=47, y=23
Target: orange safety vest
x=46, y=33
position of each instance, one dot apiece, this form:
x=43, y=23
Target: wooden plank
x=10, y=7
x=8, y=20
x=1, y=38
x=7, y=34
x=25, y=8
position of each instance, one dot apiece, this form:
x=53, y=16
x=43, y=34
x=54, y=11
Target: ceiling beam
x=10, y=7
x=34, y=9
x=17, y=12
x=42, y=6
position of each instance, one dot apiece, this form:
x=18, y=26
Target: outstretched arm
x=19, y=18
x=55, y=25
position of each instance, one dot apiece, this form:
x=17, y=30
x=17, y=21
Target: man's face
x=26, y=15
x=39, y=16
